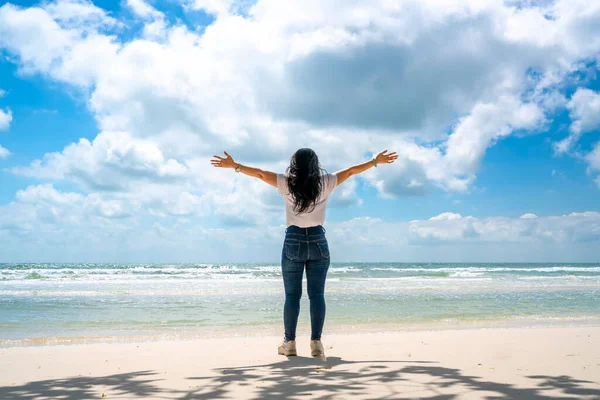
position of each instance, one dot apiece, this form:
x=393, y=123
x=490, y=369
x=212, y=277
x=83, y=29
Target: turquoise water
x=174, y=300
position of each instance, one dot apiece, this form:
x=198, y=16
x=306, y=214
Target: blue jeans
x=304, y=247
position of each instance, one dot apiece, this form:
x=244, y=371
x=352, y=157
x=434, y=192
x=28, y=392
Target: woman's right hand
x=383, y=158
x=223, y=162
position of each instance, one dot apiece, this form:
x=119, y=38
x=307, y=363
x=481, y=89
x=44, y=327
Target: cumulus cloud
x=345, y=195
x=5, y=119
x=156, y=25
x=444, y=227
x=487, y=123
x=398, y=72
x=528, y=216
x=43, y=219
x=111, y=162
x=2, y=93
x=68, y=208
x=447, y=216
x=584, y=108
x=63, y=39
x=438, y=82
x=4, y=152
x=220, y=7
x=417, y=170
x=593, y=159
x=143, y=9
x=448, y=227
x=79, y=14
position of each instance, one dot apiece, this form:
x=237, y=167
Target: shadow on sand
x=300, y=377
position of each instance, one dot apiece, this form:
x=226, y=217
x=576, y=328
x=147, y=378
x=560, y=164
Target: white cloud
x=44, y=208
x=439, y=82
x=47, y=193
x=584, y=109
x=155, y=29
x=79, y=14
x=475, y=79
x=528, y=216
x=111, y=162
x=418, y=169
x=4, y=152
x=446, y=226
x=226, y=90
x=143, y=9
x=43, y=220
x=447, y=216
x=593, y=159
x=486, y=123
x=575, y=227
x=222, y=98
x=182, y=205
x=5, y=119
x=61, y=40
x=345, y=195
x=2, y=93
x=219, y=7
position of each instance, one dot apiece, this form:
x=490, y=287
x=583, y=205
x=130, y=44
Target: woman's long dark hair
x=304, y=180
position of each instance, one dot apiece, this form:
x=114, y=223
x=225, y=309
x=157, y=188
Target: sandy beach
x=496, y=363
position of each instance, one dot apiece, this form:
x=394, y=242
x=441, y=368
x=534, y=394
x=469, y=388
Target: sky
x=111, y=110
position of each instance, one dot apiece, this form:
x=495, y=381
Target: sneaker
x=316, y=349
x=287, y=348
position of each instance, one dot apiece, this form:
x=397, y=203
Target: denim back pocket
x=292, y=250
x=323, y=249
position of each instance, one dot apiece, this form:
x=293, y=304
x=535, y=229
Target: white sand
x=515, y=363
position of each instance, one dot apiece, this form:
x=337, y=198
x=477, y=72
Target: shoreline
x=519, y=363
x=273, y=330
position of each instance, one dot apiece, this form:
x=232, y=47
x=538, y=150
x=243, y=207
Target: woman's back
x=312, y=217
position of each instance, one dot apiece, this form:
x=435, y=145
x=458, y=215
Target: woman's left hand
x=223, y=162
x=386, y=158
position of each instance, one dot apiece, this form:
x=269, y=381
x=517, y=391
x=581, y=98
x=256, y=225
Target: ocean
x=70, y=303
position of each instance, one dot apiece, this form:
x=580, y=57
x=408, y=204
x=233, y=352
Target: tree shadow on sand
x=138, y=384
x=300, y=377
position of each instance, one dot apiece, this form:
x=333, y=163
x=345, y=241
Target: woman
x=306, y=188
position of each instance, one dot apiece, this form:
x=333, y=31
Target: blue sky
x=116, y=107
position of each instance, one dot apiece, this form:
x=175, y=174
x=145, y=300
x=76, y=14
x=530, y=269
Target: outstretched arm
x=381, y=158
x=227, y=162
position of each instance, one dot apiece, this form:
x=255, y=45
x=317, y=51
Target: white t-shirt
x=306, y=219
